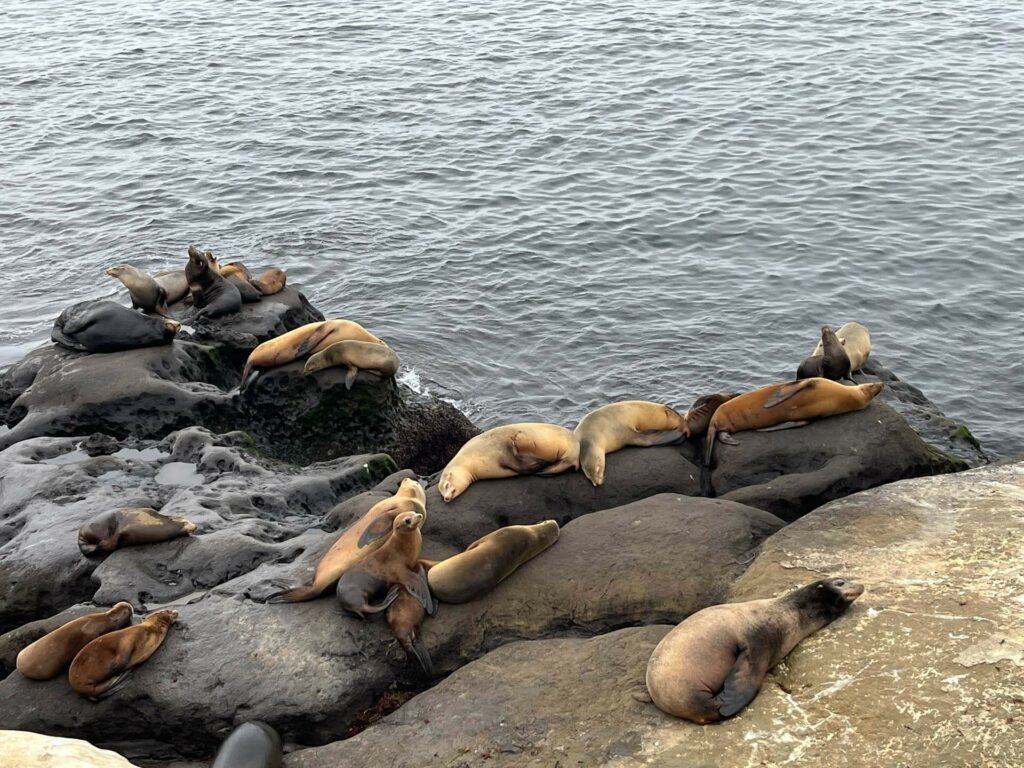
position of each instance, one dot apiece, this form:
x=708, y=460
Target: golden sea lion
x=488, y=561
x=128, y=527
x=48, y=656
x=364, y=536
x=270, y=282
x=305, y=340
x=712, y=664
x=356, y=356
x=514, y=449
x=104, y=665
x=147, y=294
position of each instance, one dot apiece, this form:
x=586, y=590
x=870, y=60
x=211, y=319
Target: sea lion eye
x=840, y=583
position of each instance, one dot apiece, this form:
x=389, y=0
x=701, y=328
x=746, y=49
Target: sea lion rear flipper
x=422, y=655
x=743, y=682
x=786, y=391
x=379, y=527
x=416, y=585
x=391, y=596
x=350, y=376
x=119, y=682
x=784, y=425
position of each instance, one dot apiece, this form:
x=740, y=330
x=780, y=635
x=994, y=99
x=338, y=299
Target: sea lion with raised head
x=793, y=403
x=364, y=536
x=856, y=340
x=146, y=293
x=304, y=340
x=829, y=359
x=372, y=584
x=507, y=451
x=212, y=295
x=488, y=561
x=404, y=617
x=104, y=665
x=106, y=326
x=698, y=417
x=129, y=527
x=355, y=356
x=251, y=745
x=48, y=656
x=712, y=664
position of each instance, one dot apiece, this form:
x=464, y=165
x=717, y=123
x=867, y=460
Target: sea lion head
x=412, y=488
x=872, y=390
x=118, y=270
x=171, y=328
x=197, y=260
x=454, y=480
x=821, y=602
x=409, y=521
x=547, y=531
x=163, y=618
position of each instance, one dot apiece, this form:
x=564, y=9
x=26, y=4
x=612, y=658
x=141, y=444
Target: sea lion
x=489, y=560
x=404, y=617
x=128, y=527
x=146, y=293
x=698, y=417
x=270, y=282
x=48, y=656
x=356, y=356
x=372, y=584
x=305, y=340
x=250, y=745
x=514, y=449
x=106, y=326
x=712, y=664
x=174, y=283
x=212, y=295
x=631, y=422
x=236, y=273
x=104, y=665
x=829, y=360
x=794, y=403
x=364, y=536
x=856, y=340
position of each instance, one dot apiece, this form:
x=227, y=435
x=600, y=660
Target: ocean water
x=545, y=206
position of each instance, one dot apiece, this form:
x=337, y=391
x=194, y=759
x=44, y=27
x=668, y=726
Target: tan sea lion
x=793, y=403
x=147, y=294
x=488, y=561
x=404, y=617
x=514, y=449
x=856, y=340
x=631, y=422
x=129, y=527
x=712, y=664
x=364, y=536
x=270, y=282
x=356, y=356
x=305, y=340
x=174, y=283
x=698, y=417
x=372, y=584
x=104, y=665
x=48, y=656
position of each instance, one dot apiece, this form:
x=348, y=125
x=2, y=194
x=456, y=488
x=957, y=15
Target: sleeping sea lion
x=793, y=403
x=488, y=561
x=128, y=527
x=372, y=584
x=698, y=417
x=366, y=535
x=104, y=665
x=404, y=617
x=270, y=282
x=514, y=449
x=355, y=356
x=631, y=422
x=106, y=326
x=48, y=656
x=212, y=295
x=146, y=293
x=305, y=340
x=251, y=745
x=174, y=283
x=712, y=664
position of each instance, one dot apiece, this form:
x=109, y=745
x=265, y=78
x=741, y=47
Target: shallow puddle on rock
x=179, y=473
x=146, y=454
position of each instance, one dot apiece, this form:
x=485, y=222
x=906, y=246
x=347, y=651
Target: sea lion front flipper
x=309, y=343
x=389, y=598
x=350, y=376
x=784, y=425
x=379, y=527
x=743, y=682
x=416, y=585
x=786, y=391
x=119, y=682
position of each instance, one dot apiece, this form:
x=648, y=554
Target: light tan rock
x=23, y=749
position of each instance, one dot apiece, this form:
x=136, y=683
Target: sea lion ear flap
x=786, y=391
x=743, y=682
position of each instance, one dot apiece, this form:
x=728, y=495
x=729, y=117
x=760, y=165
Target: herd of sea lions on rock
x=708, y=668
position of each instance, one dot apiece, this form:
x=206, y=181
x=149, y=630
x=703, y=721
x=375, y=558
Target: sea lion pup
x=795, y=401
x=48, y=656
x=631, y=422
x=514, y=449
x=488, y=561
x=146, y=293
x=404, y=617
x=106, y=326
x=128, y=527
x=372, y=584
x=270, y=282
x=304, y=340
x=174, y=283
x=698, y=417
x=104, y=665
x=856, y=340
x=356, y=356
x=829, y=359
x=364, y=536
x=250, y=745
x=212, y=295
x=712, y=664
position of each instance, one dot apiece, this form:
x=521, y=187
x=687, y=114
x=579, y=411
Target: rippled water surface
x=545, y=206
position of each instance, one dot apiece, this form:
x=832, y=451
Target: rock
x=32, y=749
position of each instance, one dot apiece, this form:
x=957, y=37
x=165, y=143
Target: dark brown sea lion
x=305, y=340
x=251, y=745
x=829, y=361
x=405, y=616
x=48, y=656
x=856, y=340
x=212, y=295
x=106, y=326
x=698, y=417
x=712, y=664
x=355, y=356
x=147, y=294
x=128, y=527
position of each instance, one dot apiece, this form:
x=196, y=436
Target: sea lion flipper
x=743, y=682
x=422, y=655
x=784, y=425
x=350, y=376
x=786, y=391
x=309, y=343
x=389, y=598
x=727, y=439
x=378, y=528
x=416, y=585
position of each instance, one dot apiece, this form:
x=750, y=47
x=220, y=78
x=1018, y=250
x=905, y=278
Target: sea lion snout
x=846, y=589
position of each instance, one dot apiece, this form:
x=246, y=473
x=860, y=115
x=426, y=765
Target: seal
x=236, y=274
x=174, y=283
x=698, y=417
x=631, y=422
x=104, y=665
x=270, y=282
x=364, y=536
x=856, y=340
x=372, y=584
x=488, y=561
x=129, y=527
x=147, y=294
x=106, y=326
x=404, y=617
x=251, y=745
x=793, y=403
x=48, y=656
x=514, y=449
x=212, y=295
x=355, y=356
x=304, y=340
x=712, y=664
x=829, y=359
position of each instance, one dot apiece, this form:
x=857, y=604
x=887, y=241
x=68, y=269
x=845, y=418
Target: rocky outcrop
x=31, y=749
